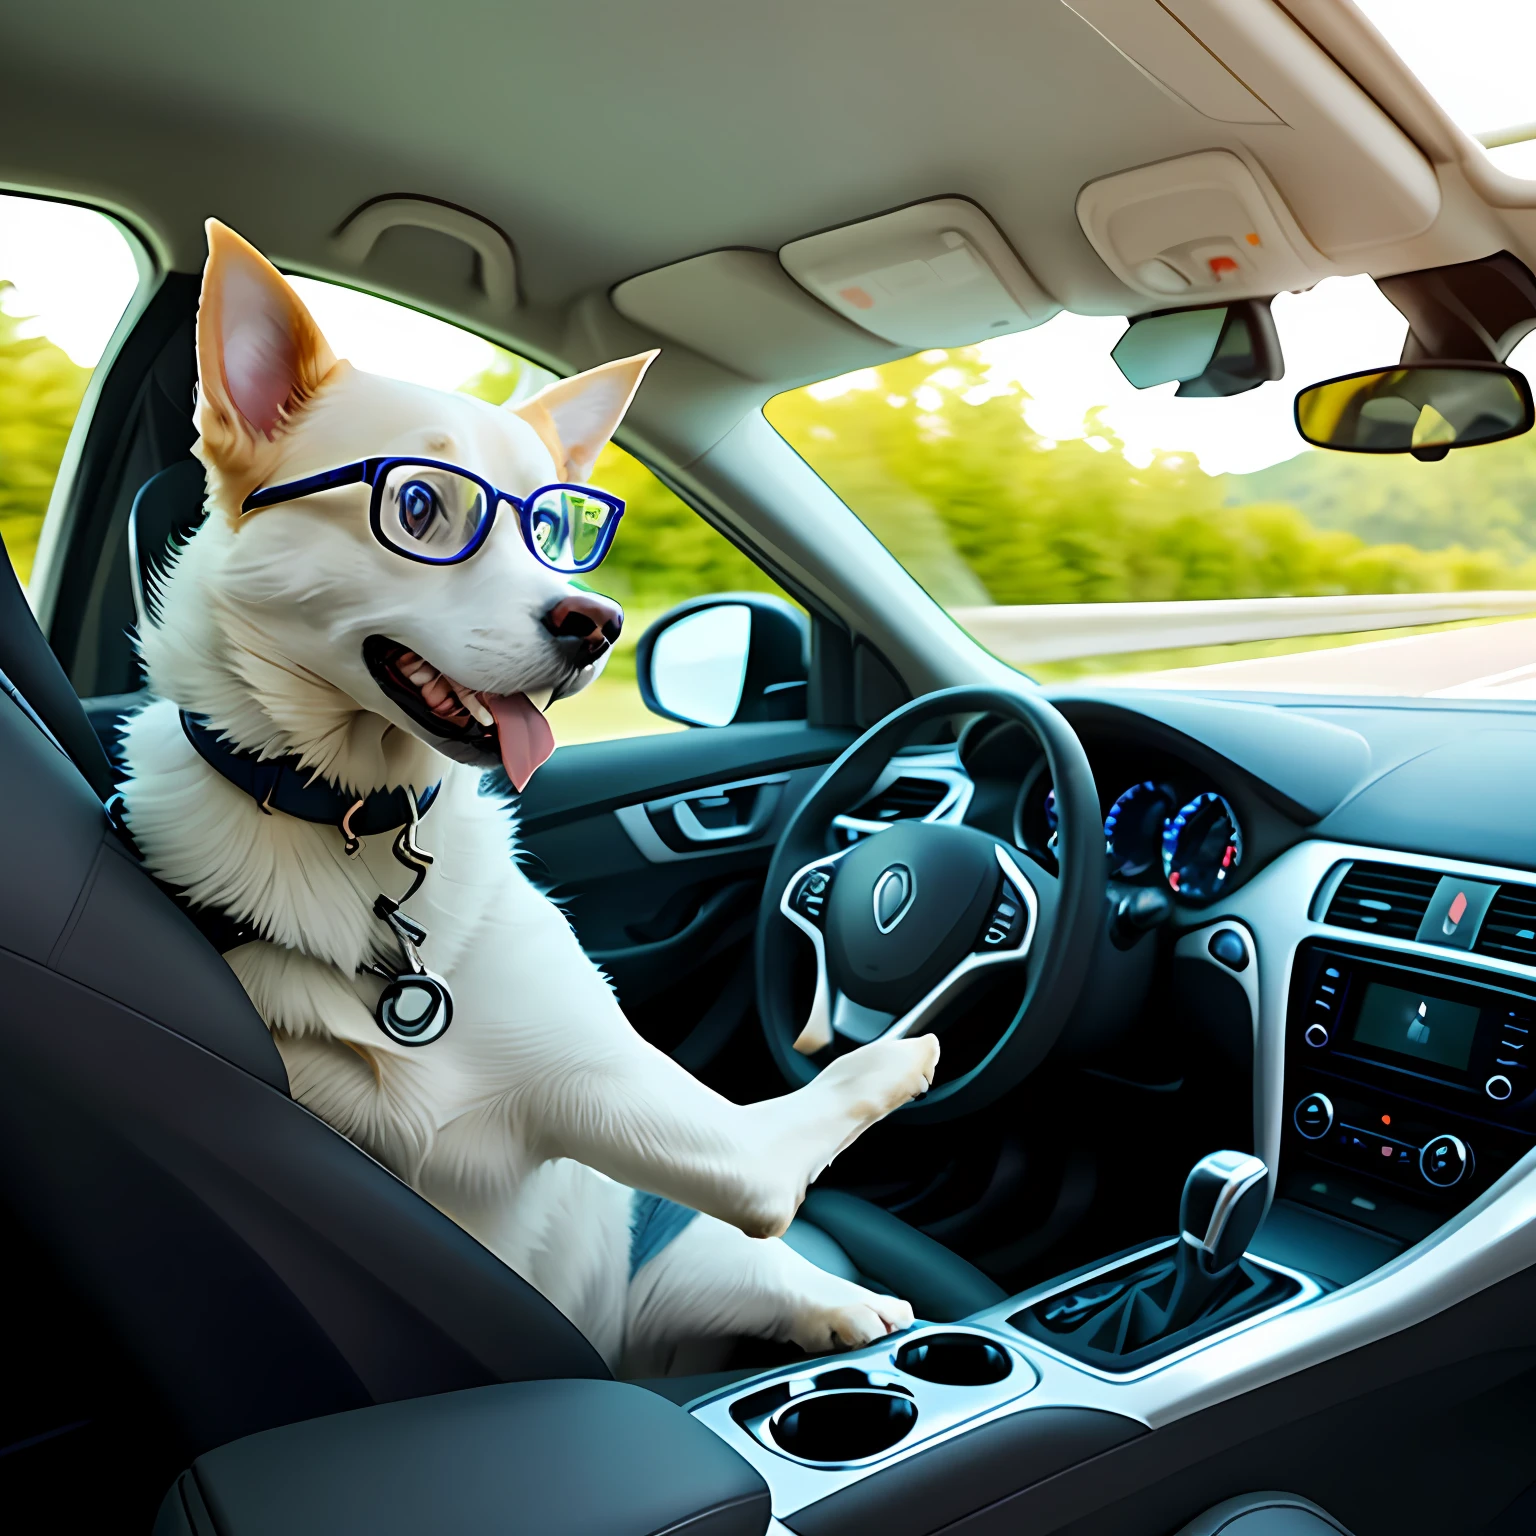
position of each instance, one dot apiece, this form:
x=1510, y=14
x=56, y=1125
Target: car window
x=664, y=552
x=67, y=274
x=1046, y=503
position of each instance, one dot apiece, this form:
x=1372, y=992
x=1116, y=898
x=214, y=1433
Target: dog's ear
x=576, y=416
x=260, y=356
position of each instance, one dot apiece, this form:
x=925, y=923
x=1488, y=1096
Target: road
x=1493, y=661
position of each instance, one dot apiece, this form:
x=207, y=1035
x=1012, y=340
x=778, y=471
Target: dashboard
x=1333, y=928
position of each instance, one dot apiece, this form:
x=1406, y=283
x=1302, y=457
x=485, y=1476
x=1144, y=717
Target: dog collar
x=284, y=784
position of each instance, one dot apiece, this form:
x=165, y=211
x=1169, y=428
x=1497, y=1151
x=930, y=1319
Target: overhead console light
x=937, y=274
x=738, y=309
x=1199, y=225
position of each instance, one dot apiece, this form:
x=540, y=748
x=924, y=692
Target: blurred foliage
x=937, y=459
x=664, y=551
x=40, y=394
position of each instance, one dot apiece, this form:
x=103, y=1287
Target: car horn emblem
x=894, y=893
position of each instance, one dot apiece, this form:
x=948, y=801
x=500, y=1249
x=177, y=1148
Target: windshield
x=1075, y=525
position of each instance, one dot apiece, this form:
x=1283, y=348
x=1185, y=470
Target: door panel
x=669, y=913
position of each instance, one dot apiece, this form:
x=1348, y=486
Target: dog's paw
x=884, y=1075
x=862, y=1319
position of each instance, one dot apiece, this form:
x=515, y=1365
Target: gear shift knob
x=1220, y=1210
x=1219, y=1213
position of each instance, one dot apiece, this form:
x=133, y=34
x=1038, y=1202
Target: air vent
x=1383, y=898
x=906, y=799
x=1509, y=929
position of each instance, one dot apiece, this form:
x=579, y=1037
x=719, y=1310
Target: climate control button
x=1313, y=1116
x=1444, y=1160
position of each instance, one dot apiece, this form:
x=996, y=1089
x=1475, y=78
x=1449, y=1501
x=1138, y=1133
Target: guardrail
x=1063, y=631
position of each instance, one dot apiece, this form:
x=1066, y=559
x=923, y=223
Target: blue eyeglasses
x=440, y=514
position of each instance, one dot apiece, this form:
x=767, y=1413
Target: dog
x=295, y=630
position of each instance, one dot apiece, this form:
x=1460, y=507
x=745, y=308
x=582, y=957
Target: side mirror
x=726, y=659
x=1226, y=349
x=1425, y=409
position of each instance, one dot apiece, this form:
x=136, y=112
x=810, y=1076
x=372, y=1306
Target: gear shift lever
x=1219, y=1213
x=1125, y=1316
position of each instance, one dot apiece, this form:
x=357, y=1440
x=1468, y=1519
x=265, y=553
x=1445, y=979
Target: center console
x=1409, y=1087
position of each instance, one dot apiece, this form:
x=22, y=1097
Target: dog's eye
x=418, y=505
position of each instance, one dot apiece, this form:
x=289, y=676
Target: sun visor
x=1198, y=227
x=738, y=309
x=937, y=274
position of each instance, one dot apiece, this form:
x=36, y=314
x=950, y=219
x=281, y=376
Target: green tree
x=940, y=462
x=40, y=394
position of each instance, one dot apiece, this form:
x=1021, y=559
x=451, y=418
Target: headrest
x=27, y=660
x=169, y=506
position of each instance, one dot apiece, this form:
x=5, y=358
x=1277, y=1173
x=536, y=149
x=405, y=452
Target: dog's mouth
x=473, y=726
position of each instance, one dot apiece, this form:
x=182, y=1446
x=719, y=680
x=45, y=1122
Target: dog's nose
x=584, y=625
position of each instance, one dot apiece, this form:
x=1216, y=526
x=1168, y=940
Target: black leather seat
x=256, y=1266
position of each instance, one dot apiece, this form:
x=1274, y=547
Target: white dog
x=302, y=630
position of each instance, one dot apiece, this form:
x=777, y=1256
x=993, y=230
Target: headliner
x=604, y=139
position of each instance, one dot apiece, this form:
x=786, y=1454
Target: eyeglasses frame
x=374, y=473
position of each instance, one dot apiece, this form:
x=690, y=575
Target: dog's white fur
x=531, y=1118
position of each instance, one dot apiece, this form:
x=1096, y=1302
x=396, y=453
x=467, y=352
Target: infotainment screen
x=1414, y=1025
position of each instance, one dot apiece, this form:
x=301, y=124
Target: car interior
x=1221, y=1213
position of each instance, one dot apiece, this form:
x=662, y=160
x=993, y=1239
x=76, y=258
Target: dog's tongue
x=522, y=733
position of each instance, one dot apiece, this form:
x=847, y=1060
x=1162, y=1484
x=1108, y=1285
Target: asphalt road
x=1495, y=661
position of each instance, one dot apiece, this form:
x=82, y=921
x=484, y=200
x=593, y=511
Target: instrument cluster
x=1154, y=831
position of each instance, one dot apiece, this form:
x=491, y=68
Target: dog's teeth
x=471, y=702
x=540, y=697
x=422, y=675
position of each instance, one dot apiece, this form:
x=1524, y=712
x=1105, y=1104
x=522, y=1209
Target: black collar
x=283, y=784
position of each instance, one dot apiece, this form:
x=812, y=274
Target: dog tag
x=415, y=1008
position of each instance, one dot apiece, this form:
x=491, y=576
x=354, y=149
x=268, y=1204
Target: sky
x=1478, y=58
x=73, y=271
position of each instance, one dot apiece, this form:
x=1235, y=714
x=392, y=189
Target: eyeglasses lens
x=429, y=512
x=568, y=528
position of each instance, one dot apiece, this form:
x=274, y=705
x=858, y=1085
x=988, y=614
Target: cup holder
x=844, y=1425
x=955, y=1360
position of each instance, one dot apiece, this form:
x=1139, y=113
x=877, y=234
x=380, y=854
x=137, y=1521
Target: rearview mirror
x=1226, y=349
x=726, y=659
x=1425, y=409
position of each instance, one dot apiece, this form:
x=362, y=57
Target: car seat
x=257, y=1266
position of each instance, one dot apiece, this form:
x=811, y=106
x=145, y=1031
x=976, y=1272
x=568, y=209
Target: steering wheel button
x=810, y=899
x=1316, y=1036
x=1498, y=1087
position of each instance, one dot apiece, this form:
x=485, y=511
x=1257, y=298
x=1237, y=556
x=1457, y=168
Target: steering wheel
x=902, y=921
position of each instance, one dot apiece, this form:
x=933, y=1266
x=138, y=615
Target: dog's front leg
x=711, y=1282
x=637, y=1116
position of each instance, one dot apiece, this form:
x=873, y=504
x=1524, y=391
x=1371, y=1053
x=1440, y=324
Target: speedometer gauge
x=1202, y=846
x=1133, y=830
